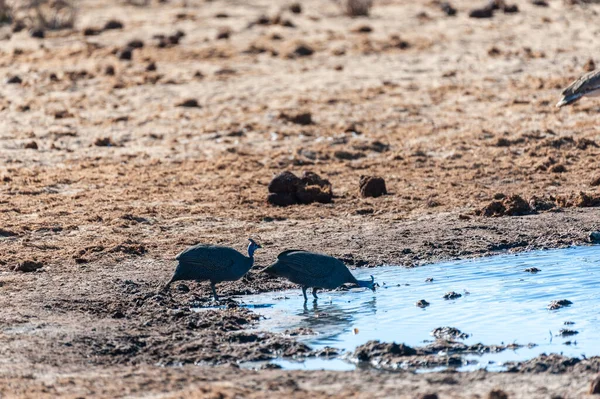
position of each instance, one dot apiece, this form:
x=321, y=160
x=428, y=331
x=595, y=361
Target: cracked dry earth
x=105, y=176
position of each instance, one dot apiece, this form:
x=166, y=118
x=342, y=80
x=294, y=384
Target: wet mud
x=146, y=128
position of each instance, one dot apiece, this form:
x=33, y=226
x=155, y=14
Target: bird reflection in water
x=329, y=320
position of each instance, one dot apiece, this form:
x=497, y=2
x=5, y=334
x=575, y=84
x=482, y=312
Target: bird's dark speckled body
x=213, y=263
x=310, y=269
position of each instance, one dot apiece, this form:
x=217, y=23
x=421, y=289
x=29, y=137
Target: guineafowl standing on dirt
x=309, y=269
x=587, y=85
x=214, y=263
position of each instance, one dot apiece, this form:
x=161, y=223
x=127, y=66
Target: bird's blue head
x=252, y=246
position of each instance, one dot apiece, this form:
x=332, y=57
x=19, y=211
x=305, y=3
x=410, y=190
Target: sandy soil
x=105, y=177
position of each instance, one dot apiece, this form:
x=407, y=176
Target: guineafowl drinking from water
x=309, y=269
x=214, y=263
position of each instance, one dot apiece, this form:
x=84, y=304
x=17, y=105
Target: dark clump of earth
x=28, y=266
x=374, y=349
x=452, y=295
x=512, y=205
x=303, y=118
x=372, y=186
x=287, y=189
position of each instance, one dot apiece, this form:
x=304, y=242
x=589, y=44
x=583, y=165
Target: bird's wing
x=310, y=264
x=289, y=251
x=585, y=84
x=209, y=256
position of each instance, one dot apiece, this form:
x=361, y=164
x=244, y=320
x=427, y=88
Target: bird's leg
x=212, y=285
x=315, y=293
x=304, y=293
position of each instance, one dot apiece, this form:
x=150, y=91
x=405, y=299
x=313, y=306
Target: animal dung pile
x=372, y=186
x=512, y=205
x=288, y=189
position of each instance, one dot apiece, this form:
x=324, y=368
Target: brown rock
x=377, y=349
x=585, y=200
x=497, y=394
x=558, y=168
x=296, y=8
x=189, y=103
x=301, y=50
x=32, y=145
x=281, y=199
x=595, y=386
x=284, y=183
x=372, y=186
x=595, y=181
x=484, y=12
x=513, y=205
x=303, y=118
x=590, y=65
x=28, y=266
x=104, y=142
x=347, y=155
x=287, y=189
x=310, y=194
x=113, y=24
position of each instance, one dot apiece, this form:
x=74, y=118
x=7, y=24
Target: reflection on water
x=500, y=303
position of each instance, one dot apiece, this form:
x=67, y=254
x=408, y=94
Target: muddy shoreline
x=146, y=129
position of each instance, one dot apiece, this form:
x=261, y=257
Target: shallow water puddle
x=500, y=304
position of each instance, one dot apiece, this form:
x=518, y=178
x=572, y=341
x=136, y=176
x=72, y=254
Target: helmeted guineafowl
x=214, y=263
x=310, y=269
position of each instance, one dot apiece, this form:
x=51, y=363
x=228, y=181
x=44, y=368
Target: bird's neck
x=251, y=252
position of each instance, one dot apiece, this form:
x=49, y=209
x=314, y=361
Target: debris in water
x=565, y=332
x=429, y=279
x=532, y=270
x=449, y=333
x=452, y=295
x=559, y=304
x=422, y=303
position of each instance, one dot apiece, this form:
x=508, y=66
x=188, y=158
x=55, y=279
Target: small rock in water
x=452, y=295
x=565, y=332
x=569, y=323
x=595, y=237
x=429, y=280
x=270, y=366
x=559, y=304
x=449, y=333
x=422, y=303
x=532, y=270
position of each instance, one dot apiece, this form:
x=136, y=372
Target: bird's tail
x=568, y=99
x=370, y=284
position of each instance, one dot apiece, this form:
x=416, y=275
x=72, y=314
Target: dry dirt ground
x=105, y=177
